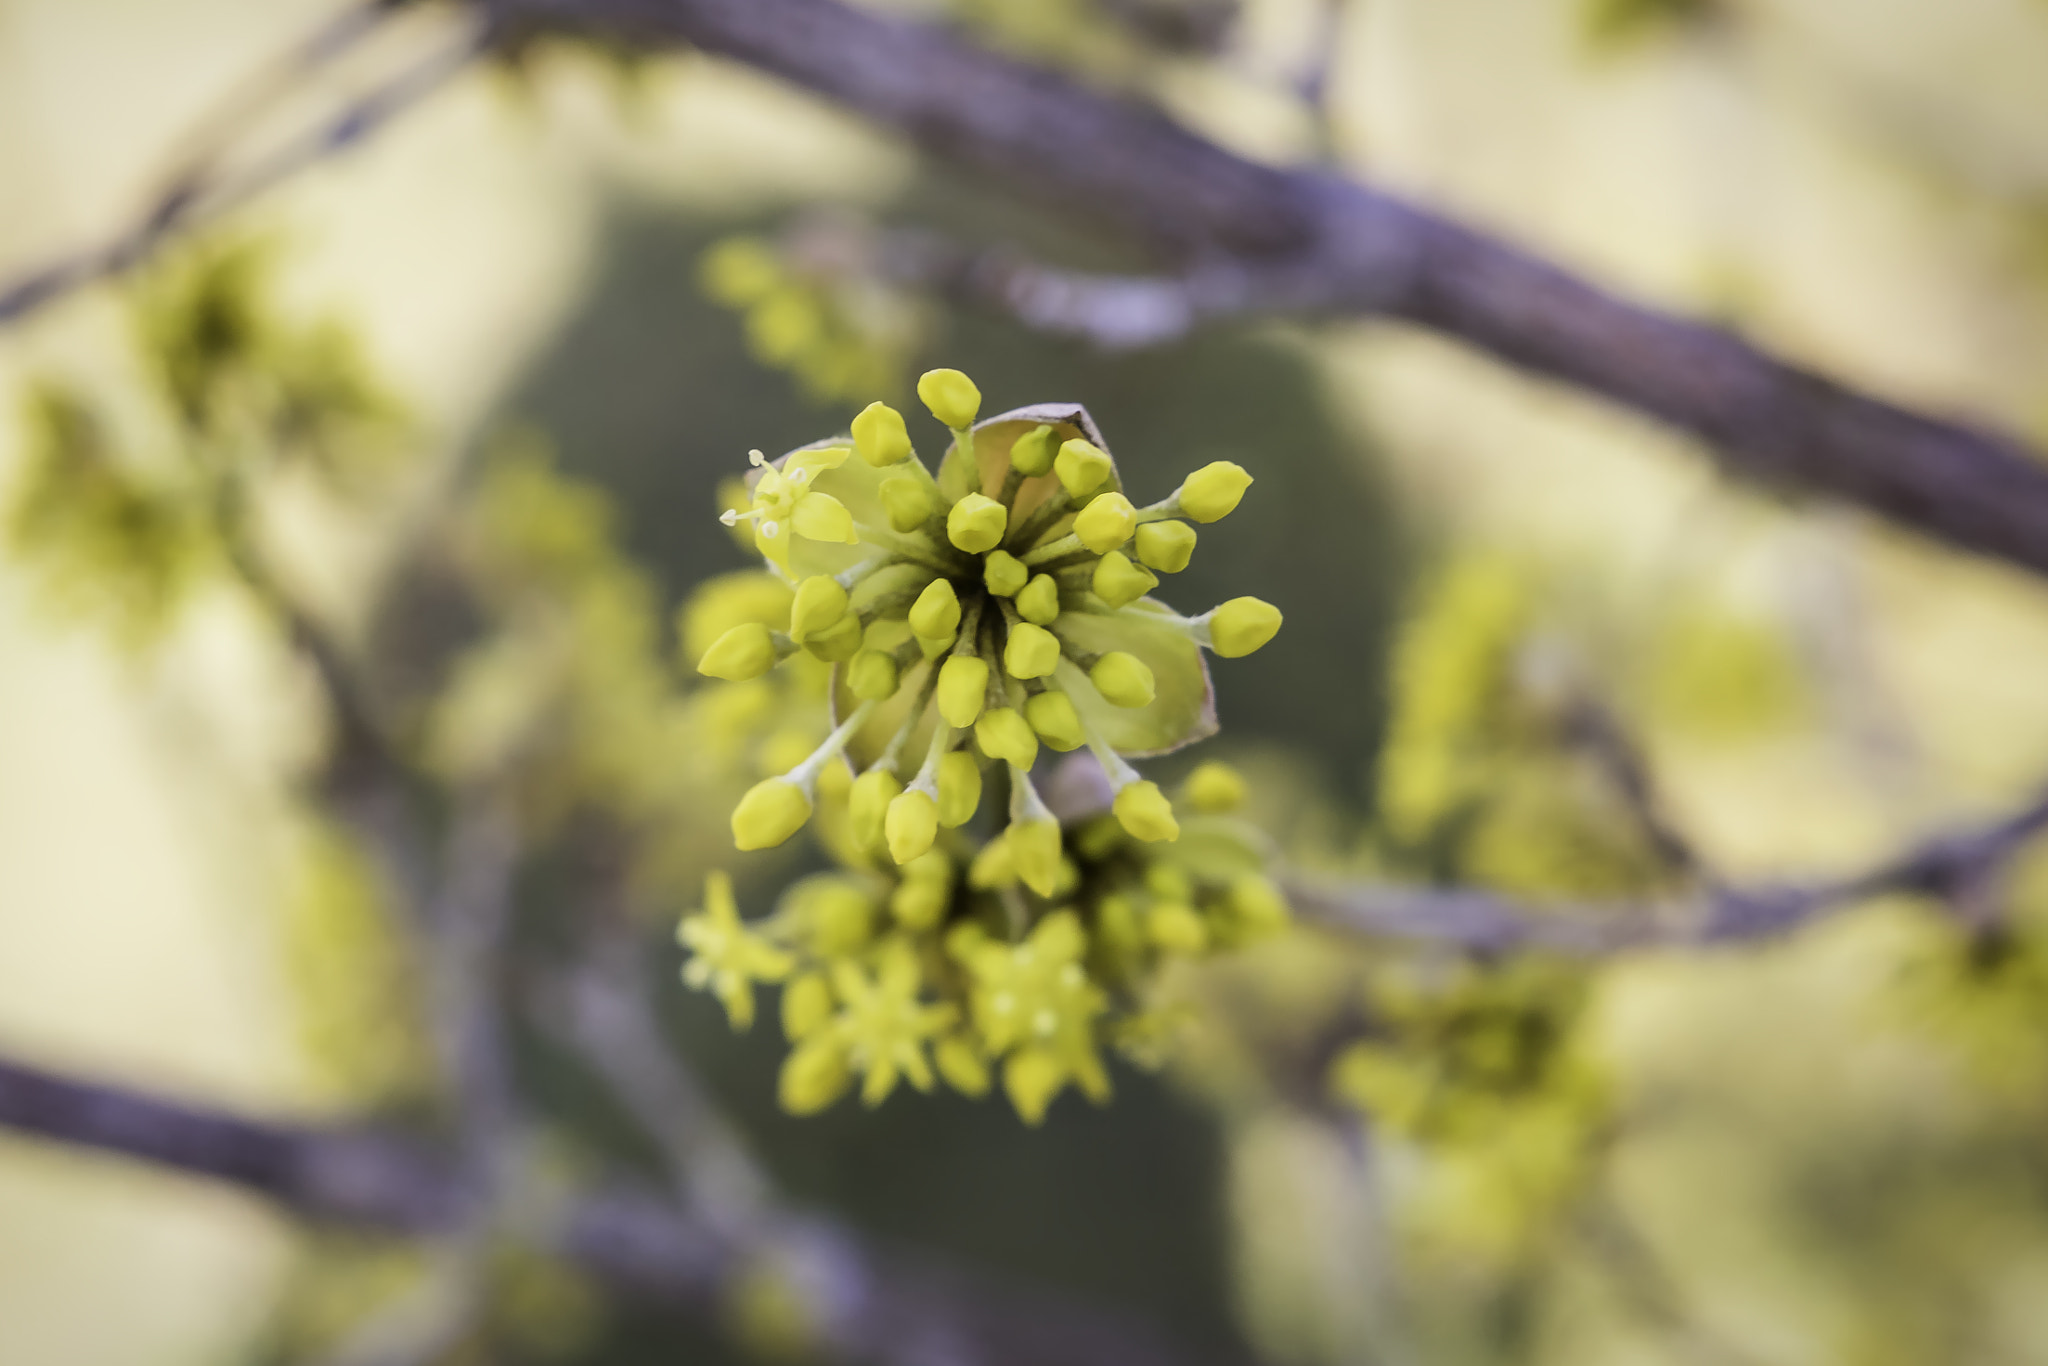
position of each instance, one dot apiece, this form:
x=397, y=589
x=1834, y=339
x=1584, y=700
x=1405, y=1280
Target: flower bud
x=1106, y=523
x=963, y=689
x=806, y=1006
x=1052, y=715
x=868, y=805
x=873, y=675
x=1081, y=467
x=993, y=869
x=813, y=1076
x=1035, y=849
x=1176, y=927
x=1213, y=491
x=911, y=825
x=1039, y=603
x=838, y=913
x=1214, y=789
x=908, y=501
x=977, y=523
x=838, y=642
x=919, y=901
x=1257, y=906
x=959, y=789
x=951, y=396
x=1143, y=811
x=1004, y=734
x=1033, y=454
x=820, y=602
x=1123, y=679
x=879, y=435
x=1032, y=651
x=1241, y=626
x=936, y=613
x=772, y=811
x=744, y=652
x=1120, y=583
x=1166, y=546
x=1004, y=574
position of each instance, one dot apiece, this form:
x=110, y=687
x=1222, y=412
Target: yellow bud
x=908, y=501
x=1241, y=626
x=1039, y=603
x=1081, y=467
x=1215, y=789
x=868, y=805
x=1176, y=927
x=1213, y=491
x=1004, y=734
x=806, y=1006
x=813, y=1076
x=961, y=1064
x=772, y=811
x=1123, y=679
x=835, y=779
x=1166, y=546
x=739, y=271
x=977, y=523
x=951, y=396
x=1035, y=849
x=936, y=613
x=873, y=675
x=820, y=602
x=1106, y=523
x=919, y=901
x=838, y=913
x=1052, y=715
x=744, y=652
x=838, y=642
x=1004, y=573
x=1257, y=905
x=1143, y=811
x=879, y=435
x=1034, y=451
x=1031, y=652
x=992, y=869
x=963, y=689
x=1120, y=583
x=959, y=789
x=911, y=825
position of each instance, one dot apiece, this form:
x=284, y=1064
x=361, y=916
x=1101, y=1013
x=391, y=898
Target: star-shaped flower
x=726, y=955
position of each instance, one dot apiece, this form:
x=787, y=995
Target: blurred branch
x=1956, y=867
x=206, y=186
x=1303, y=241
x=889, y=1307
x=1591, y=726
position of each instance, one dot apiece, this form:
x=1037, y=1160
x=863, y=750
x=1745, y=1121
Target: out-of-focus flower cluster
x=974, y=616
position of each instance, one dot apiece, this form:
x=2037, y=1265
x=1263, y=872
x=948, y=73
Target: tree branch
x=1303, y=241
x=888, y=1307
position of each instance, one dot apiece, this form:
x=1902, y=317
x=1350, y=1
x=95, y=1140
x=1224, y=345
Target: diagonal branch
x=889, y=1307
x=1304, y=241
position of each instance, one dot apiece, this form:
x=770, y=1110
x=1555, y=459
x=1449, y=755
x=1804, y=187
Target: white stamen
x=770, y=530
x=731, y=516
x=798, y=475
x=755, y=457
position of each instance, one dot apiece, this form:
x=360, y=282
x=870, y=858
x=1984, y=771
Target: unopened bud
x=820, y=602
x=908, y=501
x=1257, y=905
x=1004, y=574
x=1143, y=811
x=1123, y=679
x=1177, y=927
x=868, y=805
x=919, y=901
x=879, y=435
x=1166, y=546
x=806, y=1006
x=1215, y=789
x=936, y=613
x=977, y=523
x=838, y=642
x=1039, y=603
x=1035, y=850
x=1004, y=734
x=911, y=825
x=951, y=396
x=813, y=1076
x=1081, y=467
x=873, y=675
x=1106, y=523
x=1033, y=454
x=1052, y=715
x=1031, y=652
x=1120, y=583
x=1213, y=491
x=744, y=652
x=993, y=869
x=963, y=689
x=959, y=789
x=772, y=811
x=1241, y=626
